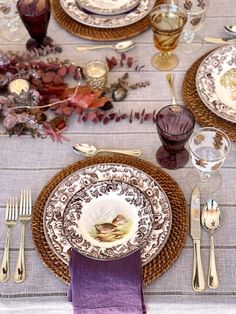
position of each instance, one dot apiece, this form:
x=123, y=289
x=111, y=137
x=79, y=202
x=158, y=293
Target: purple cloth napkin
x=105, y=287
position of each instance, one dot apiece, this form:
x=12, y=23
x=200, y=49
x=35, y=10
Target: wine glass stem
x=204, y=176
x=165, y=55
x=188, y=36
x=12, y=24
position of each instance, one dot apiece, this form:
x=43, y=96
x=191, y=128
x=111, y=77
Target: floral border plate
x=108, y=220
x=216, y=82
x=108, y=7
x=79, y=15
x=62, y=194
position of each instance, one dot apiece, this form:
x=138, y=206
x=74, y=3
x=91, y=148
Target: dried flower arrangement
x=43, y=108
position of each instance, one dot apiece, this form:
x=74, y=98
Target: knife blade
x=218, y=40
x=198, y=280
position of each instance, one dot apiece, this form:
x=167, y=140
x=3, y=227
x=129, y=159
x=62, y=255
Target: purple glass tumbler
x=35, y=14
x=175, y=124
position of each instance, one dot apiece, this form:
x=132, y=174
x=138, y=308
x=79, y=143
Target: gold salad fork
x=25, y=212
x=10, y=220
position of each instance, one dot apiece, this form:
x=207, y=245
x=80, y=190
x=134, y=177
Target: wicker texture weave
x=180, y=220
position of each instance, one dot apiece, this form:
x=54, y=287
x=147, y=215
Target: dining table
x=27, y=162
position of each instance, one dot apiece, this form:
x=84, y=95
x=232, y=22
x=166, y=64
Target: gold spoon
x=211, y=220
x=119, y=47
x=88, y=150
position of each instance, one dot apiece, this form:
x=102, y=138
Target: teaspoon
x=211, y=220
x=231, y=29
x=119, y=47
x=91, y=151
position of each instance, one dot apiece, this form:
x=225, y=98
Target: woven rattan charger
x=174, y=244
x=94, y=33
x=202, y=114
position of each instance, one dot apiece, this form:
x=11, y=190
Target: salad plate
x=108, y=220
x=108, y=7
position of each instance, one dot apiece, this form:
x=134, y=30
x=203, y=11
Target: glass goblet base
x=168, y=161
x=164, y=61
x=205, y=183
x=190, y=47
x=33, y=44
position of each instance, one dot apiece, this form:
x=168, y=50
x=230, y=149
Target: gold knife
x=198, y=280
x=218, y=40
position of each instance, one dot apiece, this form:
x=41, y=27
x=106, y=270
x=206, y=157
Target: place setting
x=127, y=198
x=108, y=21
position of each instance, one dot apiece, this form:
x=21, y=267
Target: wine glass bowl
x=174, y=124
x=208, y=149
x=167, y=22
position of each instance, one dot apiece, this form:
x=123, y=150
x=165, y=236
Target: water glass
x=12, y=28
x=196, y=12
x=174, y=124
x=167, y=22
x=208, y=148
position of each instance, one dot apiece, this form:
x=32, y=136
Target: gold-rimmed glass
x=167, y=22
x=208, y=149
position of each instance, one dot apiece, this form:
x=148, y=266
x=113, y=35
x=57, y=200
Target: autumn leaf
x=99, y=102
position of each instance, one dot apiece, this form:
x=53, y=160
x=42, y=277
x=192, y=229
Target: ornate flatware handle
x=170, y=80
x=198, y=280
x=132, y=152
x=85, y=48
x=213, y=281
x=4, y=271
x=20, y=274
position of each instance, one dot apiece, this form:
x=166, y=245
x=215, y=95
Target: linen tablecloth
x=28, y=162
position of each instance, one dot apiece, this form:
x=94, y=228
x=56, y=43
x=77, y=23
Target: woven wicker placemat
x=202, y=114
x=94, y=33
x=180, y=221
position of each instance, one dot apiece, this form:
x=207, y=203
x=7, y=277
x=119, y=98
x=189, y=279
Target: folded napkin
x=105, y=287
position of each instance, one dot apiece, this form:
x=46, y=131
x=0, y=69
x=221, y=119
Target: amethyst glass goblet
x=35, y=15
x=174, y=124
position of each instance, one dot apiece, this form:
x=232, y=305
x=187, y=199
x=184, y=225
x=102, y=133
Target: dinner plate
x=216, y=82
x=94, y=20
x=108, y=220
x=64, y=192
x=108, y=7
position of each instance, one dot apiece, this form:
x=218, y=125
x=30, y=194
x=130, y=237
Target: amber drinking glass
x=35, y=14
x=167, y=22
x=175, y=124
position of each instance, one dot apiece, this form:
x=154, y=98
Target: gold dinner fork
x=25, y=212
x=10, y=220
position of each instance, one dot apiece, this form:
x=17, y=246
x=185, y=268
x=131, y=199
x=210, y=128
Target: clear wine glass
x=167, y=22
x=175, y=124
x=12, y=28
x=196, y=12
x=208, y=149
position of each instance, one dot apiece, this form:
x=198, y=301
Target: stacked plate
x=107, y=13
x=216, y=82
x=107, y=211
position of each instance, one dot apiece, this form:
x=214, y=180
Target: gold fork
x=10, y=220
x=24, y=216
